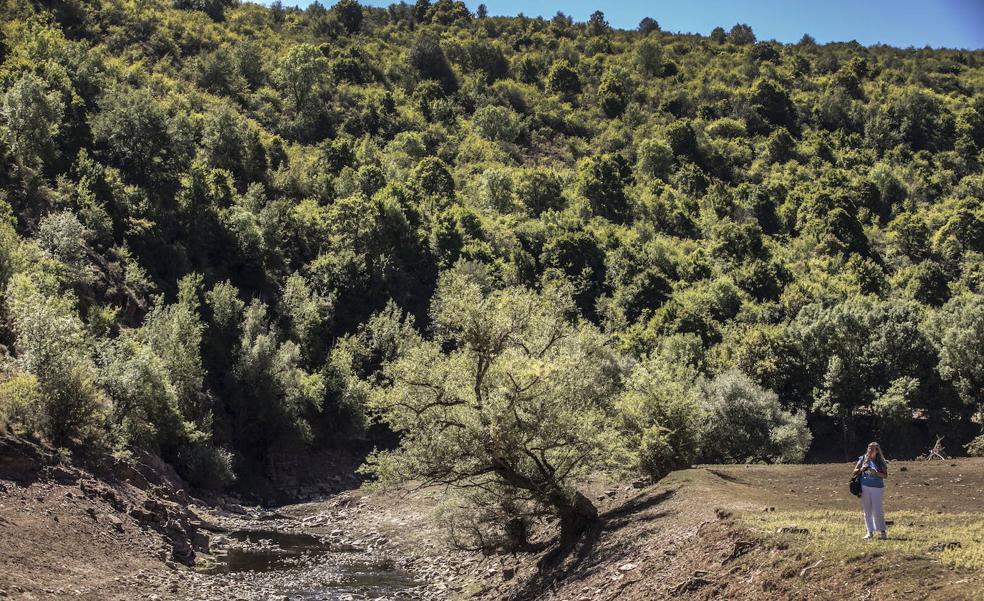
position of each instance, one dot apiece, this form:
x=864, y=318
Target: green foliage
x=806, y=214
x=597, y=25
x=10, y=243
x=602, y=180
x=864, y=350
x=146, y=411
x=662, y=415
x=764, y=52
x=497, y=191
x=510, y=392
x=174, y=332
x=562, y=79
x=213, y=8
x=21, y=399
x=613, y=93
x=741, y=35
x=52, y=344
x=302, y=73
x=957, y=331
x=780, y=146
x=746, y=423
x=349, y=14
x=135, y=133
x=773, y=107
x=308, y=313
x=229, y=143
x=726, y=127
x=274, y=397
x=486, y=57
x=428, y=58
x=63, y=237
x=682, y=140
x=207, y=466
x=32, y=115
x=577, y=257
x=433, y=184
x=497, y=123
x=975, y=448
x=649, y=57
x=221, y=73
x=539, y=190
x=912, y=117
x=894, y=407
x=655, y=159
x=648, y=25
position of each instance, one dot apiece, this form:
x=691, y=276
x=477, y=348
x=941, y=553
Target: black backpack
x=856, y=483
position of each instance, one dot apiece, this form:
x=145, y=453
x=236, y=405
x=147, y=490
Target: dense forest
x=521, y=248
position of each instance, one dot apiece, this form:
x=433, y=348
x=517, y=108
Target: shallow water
x=265, y=551
x=311, y=570
x=363, y=581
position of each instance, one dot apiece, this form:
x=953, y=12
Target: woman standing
x=874, y=470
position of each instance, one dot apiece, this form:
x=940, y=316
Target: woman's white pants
x=874, y=513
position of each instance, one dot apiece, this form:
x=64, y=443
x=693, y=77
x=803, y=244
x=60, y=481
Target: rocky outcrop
x=177, y=524
x=23, y=461
x=140, y=486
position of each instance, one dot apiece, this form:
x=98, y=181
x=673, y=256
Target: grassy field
x=954, y=539
x=935, y=548
x=928, y=555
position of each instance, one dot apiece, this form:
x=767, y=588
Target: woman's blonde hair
x=875, y=445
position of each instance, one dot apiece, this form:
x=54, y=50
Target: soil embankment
x=127, y=532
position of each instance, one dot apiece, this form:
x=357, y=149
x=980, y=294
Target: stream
x=304, y=567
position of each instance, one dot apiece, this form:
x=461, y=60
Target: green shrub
x=207, y=466
x=975, y=448
x=727, y=128
x=146, y=411
x=32, y=113
x=657, y=457
x=511, y=393
x=655, y=158
x=52, y=344
x=649, y=58
x=539, y=190
x=564, y=80
x=20, y=403
x=498, y=123
x=744, y=422
x=661, y=416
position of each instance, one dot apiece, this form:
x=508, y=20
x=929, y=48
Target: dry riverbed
x=703, y=533
x=64, y=533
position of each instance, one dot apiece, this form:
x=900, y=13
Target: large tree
x=511, y=393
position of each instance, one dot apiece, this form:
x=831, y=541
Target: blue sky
x=918, y=23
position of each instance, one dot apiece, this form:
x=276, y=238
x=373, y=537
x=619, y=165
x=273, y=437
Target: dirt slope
x=703, y=533
x=69, y=532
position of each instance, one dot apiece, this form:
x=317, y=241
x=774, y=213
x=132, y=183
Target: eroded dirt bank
x=68, y=533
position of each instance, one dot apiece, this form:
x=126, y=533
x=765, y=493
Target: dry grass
x=839, y=534
x=929, y=504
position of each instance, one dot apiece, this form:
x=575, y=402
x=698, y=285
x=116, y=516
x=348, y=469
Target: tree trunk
x=576, y=515
x=576, y=512
x=846, y=433
x=517, y=534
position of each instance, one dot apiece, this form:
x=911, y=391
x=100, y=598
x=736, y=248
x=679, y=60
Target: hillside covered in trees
x=524, y=248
